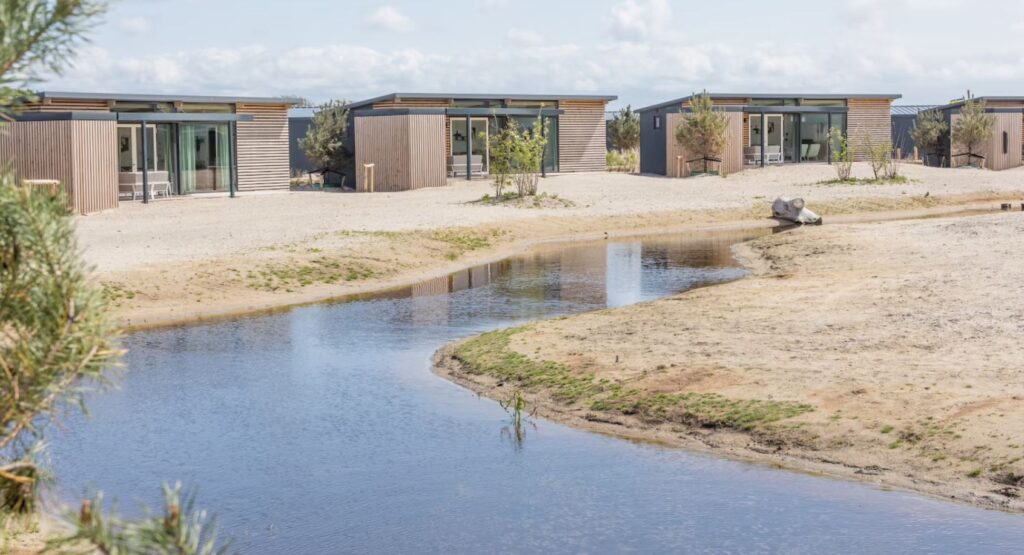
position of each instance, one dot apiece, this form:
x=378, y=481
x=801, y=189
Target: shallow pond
x=323, y=430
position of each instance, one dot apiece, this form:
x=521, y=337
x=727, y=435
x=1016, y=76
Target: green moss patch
x=489, y=355
x=321, y=270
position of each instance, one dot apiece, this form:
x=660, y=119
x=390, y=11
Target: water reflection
x=322, y=430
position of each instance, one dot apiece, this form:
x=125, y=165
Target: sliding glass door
x=206, y=157
x=159, y=156
x=480, y=134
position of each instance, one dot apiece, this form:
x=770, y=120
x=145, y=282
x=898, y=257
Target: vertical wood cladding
x=407, y=151
x=82, y=155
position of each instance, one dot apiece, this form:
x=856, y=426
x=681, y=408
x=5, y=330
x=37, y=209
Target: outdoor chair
x=130, y=183
x=773, y=154
x=752, y=155
x=803, y=152
x=813, y=151
x=457, y=163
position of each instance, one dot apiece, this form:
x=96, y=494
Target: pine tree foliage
x=973, y=128
x=325, y=142
x=702, y=131
x=55, y=336
x=624, y=130
x=38, y=36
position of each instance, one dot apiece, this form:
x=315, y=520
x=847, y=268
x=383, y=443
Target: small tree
x=519, y=153
x=973, y=128
x=929, y=128
x=502, y=158
x=842, y=159
x=880, y=157
x=703, y=130
x=326, y=142
x=528, y=158
x=624, y=130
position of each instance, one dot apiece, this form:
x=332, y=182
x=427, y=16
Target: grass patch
x=898, y=180
x=488, y=354
x=886, y=429
x=288, y=277
x=116, y=293
x=459, y=242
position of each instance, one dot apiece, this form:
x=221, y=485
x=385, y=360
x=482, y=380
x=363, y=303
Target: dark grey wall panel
x=652, y=143
x=297, y=128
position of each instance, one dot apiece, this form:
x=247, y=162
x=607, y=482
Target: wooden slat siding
x=94, y=163
x=263, y=162
x=80, y=154
x=582, y=143
x=993, y=150
x=39, y=150
x=67, y=105
x=407, y=151
x=381, y=141
x=869, y=121
x=732, y=157
x=427, y=157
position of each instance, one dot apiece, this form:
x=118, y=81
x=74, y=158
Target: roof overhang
x=180, y=117
x=399, y=97
x=134, y=117
x=197, y=99
x=459, y=112
x=774, y=96
x=960, y=103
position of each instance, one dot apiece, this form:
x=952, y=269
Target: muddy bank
x=334, y=264
x=883, y=352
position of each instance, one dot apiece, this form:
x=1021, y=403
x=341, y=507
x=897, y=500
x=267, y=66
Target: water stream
x=323, y=430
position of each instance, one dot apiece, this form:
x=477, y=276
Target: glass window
x=814, y=137
x=207, y=108
x=773, y=102
x=475, y=103
x=206, y=157
x=142, y=107
x=822, y=102
x=537, y=104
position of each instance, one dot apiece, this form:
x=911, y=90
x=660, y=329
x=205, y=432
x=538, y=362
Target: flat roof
x=775, y=96
x=199, y=99
x=474, y=96
x=963, y=101
x=911, y=109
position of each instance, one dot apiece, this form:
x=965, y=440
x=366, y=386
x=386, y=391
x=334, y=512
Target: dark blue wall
x=652, y=143
x=297, y=128
x=901, y=127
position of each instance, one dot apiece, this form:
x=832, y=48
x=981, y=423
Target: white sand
x=190, y=229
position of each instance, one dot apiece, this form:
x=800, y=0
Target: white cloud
x=640, y=19
x=641, y=58
x=134, y=25
x=391, y=18
x=525, y=36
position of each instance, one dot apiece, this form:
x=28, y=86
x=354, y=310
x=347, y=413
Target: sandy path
x=180, y=260
x=905, y=338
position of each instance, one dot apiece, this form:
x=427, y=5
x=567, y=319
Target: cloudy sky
x=645, y=51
